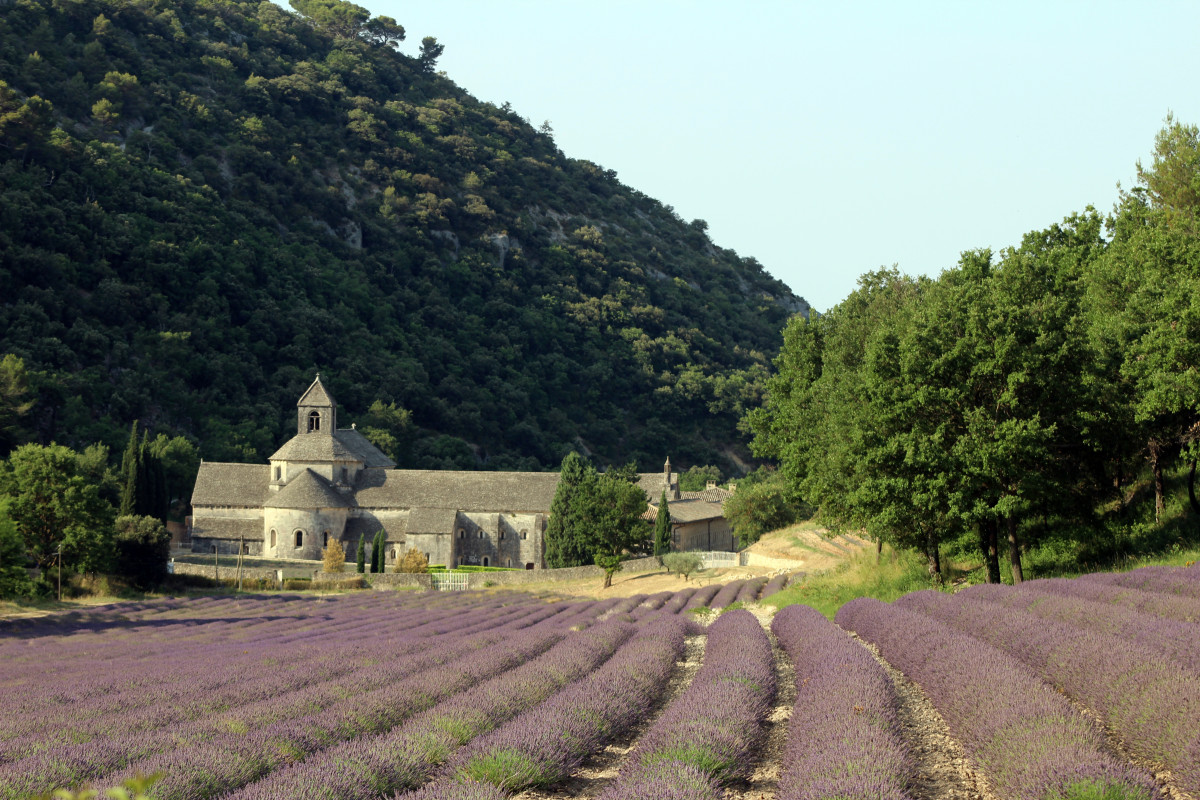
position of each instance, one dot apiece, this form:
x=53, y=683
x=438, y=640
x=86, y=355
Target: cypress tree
x=662, y=529
x=377, y=558
x=562, y=532
x=130, y=472
x=361, y=555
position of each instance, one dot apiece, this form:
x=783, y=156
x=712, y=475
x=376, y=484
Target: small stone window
x=324, y=539
x=461, y=533
x=524, y=535
x=299, y=539
x=485, y=561
x=427, y=557
x=272, y=537
x=501, y=535
x=480, y=533
x=277, y=471
x=529, y=565
x=314, y=423
x=345, y=475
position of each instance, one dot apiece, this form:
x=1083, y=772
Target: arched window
x=481, y=533
x=461, y=533
x=485, y=561
x=524, y=535
x=299, y=539
x=272, y=537
x=314, y=421
x=502, y=535
x=325, y=539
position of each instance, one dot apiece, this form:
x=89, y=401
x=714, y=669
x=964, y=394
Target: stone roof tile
x=224, y=484
x=215, y=528
x=308, y=490
x=316, y=395
x=458, y=490
x=432, y=520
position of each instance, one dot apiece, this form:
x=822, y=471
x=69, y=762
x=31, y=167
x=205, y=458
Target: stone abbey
x=331, y=483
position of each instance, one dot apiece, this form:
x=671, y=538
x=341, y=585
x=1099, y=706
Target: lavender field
x=1056, y=689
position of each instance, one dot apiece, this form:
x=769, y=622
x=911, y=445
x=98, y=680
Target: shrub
x=683, y=563
x=143, y=547
x=340, y=584
x=413, y=562
x=334, y=557
x=297, y=584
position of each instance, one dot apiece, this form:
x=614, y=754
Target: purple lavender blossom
x=843, y=738
x=1027, y=738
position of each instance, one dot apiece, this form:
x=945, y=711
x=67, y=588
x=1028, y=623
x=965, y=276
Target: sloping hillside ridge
x=202, y=202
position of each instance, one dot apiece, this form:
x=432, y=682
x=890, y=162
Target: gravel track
x=591, y=779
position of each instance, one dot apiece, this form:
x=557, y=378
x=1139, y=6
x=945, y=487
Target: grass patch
x=896, y=574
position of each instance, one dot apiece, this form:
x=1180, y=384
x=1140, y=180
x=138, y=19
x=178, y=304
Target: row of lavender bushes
x=545, y=744
x=1147, y=700
x=241, y=753
x=1170, y=606
x=844, y=735
x=1028, y=739
x=705, y=737
x=407, y=755
x=188, y=692
x=1179, y=641
x=334, y=708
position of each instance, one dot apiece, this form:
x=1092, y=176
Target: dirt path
x=591, y=779
x=943, y=770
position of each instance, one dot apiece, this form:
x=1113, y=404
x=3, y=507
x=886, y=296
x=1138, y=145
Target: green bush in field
x=683, y=563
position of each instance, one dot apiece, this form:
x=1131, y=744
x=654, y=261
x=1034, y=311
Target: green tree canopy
x=54, y=499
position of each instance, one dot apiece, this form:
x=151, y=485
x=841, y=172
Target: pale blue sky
x=828, y=139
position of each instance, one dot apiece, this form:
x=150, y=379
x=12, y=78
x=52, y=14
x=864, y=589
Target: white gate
x=449, y=581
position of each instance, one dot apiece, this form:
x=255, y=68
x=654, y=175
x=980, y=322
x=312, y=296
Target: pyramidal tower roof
x=317, y=395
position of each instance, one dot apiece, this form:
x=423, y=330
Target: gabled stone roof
x=652, y=485
x=714, y=495
x=223, y=484
x=346, y=444
x=249, y=529
x=459, y=490
x=308, y=490
x=361, y=446
x=432, y=520
x=686, y=510
x=315, y=446
x=316, y=395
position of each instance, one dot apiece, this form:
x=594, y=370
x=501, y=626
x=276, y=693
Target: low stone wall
x=386, y=580
x=224, y=573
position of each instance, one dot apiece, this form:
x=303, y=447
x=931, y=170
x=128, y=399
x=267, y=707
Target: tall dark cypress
x=130, y=472
x=361, y=555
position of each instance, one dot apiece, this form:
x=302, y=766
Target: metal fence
x=449, y=581
x=718, y=558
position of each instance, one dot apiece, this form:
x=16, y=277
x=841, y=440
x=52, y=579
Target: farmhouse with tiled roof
x=328, y=483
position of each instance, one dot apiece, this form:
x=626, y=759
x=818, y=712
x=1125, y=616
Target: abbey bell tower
x=316, y=410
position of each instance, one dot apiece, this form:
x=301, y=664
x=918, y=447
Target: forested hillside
x=1040, y=395
x=203, y=202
